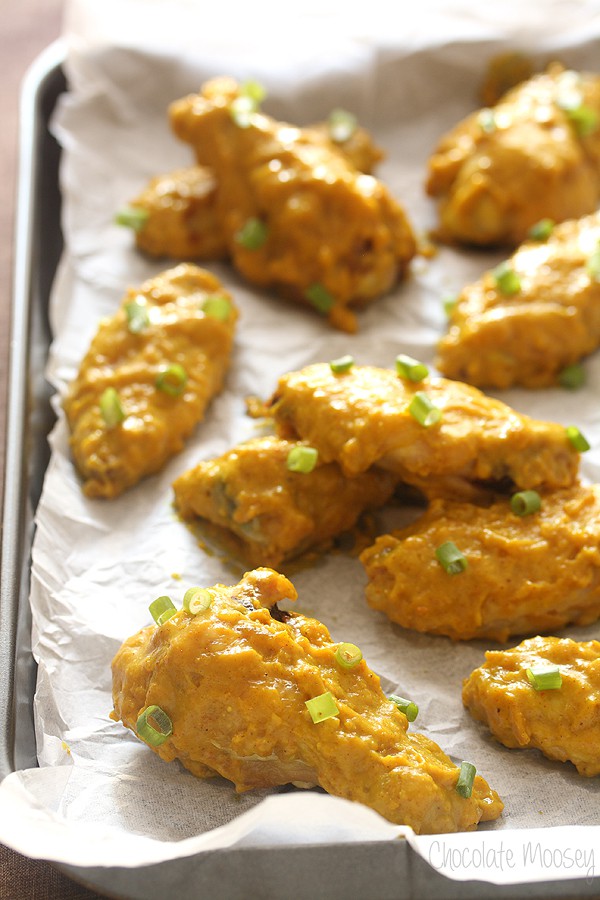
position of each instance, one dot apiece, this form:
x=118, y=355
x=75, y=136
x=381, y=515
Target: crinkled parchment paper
x=100, y=797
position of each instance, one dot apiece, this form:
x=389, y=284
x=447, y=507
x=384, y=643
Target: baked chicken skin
x=234, y=680
x=524, y=574
x=273, y=510
x=562, y=722
x=364, y=417
x=148, y=377
x=533, y=155
x=525, y=322
x=295, y=214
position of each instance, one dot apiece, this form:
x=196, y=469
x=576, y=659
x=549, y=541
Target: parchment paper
x=100, y=797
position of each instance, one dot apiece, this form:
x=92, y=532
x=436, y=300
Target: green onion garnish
x=542, y=230
x=450, y=558
x=243, y=107
x=172, y=380
x=572, y=377
x=524, y=503
x=449, y=303
x=154, y=726
x=254, y=90
x=410, y=368
x=342, y=125
x=506, y=279
x=217, y=307
x=466, y=777
x=487, y=120
x=593, y=265
x=197, y=600
x=133, y=217
x=319, y=297
x=584, y=119
x=410, y=709
x=545, y=678
x=137, y=315
x=302, y=459
x=322, y=707
x=253, y=234
x=423, y=410
x=162, y=609
x=341, y=364
x=111, y=408
x=348, y=655
x=577, y=438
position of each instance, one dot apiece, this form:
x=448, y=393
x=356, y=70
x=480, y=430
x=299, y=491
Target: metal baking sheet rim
x=381, y=869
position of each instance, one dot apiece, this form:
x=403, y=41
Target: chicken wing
x=233, y=682
x=522, y=574
x=274, y=511
x=322, y=233
x=525, y=323
x=364, y=417
x=147, y=378
x=534, y=155
x=562, y=722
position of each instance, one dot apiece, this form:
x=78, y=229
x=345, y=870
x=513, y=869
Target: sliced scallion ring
x=545, y=678
x=578, y=440
x=302, y=459
x=341, y=364
x=341, y=124
x=348, y=655
x=197, y=600
x=137, y=315
x=487, y=120
x=254, y=90
x=506, y=279
x=162, y=609
x=319, y=297
x=466, y=777
x=422, y=408
x=322, y=707
x=408, y=707
x=253, y=234
x=217, y=306
x=410, y=368
x=172, y=380
x=542, y=230
x=524, y=503
x=450, y=558
x=111, y=408
x=583, y=118
x=449, y=304
x=572, y=377
x=154, y=726
x=133, y=217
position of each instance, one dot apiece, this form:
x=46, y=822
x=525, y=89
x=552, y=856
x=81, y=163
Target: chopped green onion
x=545, y=678
x=506, y=279
x=133, y=217
x=154, y=726
x=410, y=368
x=254, y=90
x=487, y=120
x=524, y=503
x=542, y=230
x=466, y=777
x=319, y=297
x=577, y=438
x=348, y=655
x=449, y=303
x=302, y=459
x=572, y=377
x=450, y=558
x=217, y=307
x=341, y=364
x=172, y=380
x=322, y=707
x=423, y=410
x=253, y=234
x=162, y=609
x=243, y=107
x=111, y=408
x=137, y=315
x=584, y=119
x=408, y=707
x=197, y=600
x=342, y=125
x=593, y=265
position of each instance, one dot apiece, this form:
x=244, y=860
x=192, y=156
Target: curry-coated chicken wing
x=444, y=437
x=147, y=378
x=295, y=214
x=474, y=572
x=510, y=694
x=534, y=155
x=260, y=696
x=277, y=498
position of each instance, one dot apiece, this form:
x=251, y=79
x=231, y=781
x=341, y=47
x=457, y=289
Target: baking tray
x=377, y=870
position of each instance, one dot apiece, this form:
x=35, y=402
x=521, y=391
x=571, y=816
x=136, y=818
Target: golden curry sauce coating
x=527, y=337
x=234, y=681
x=333, y=236
x=563, y=723
x=533, y=155
x=362, y=418
x=275, y=513
x=525, y=574
x=177, y=331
